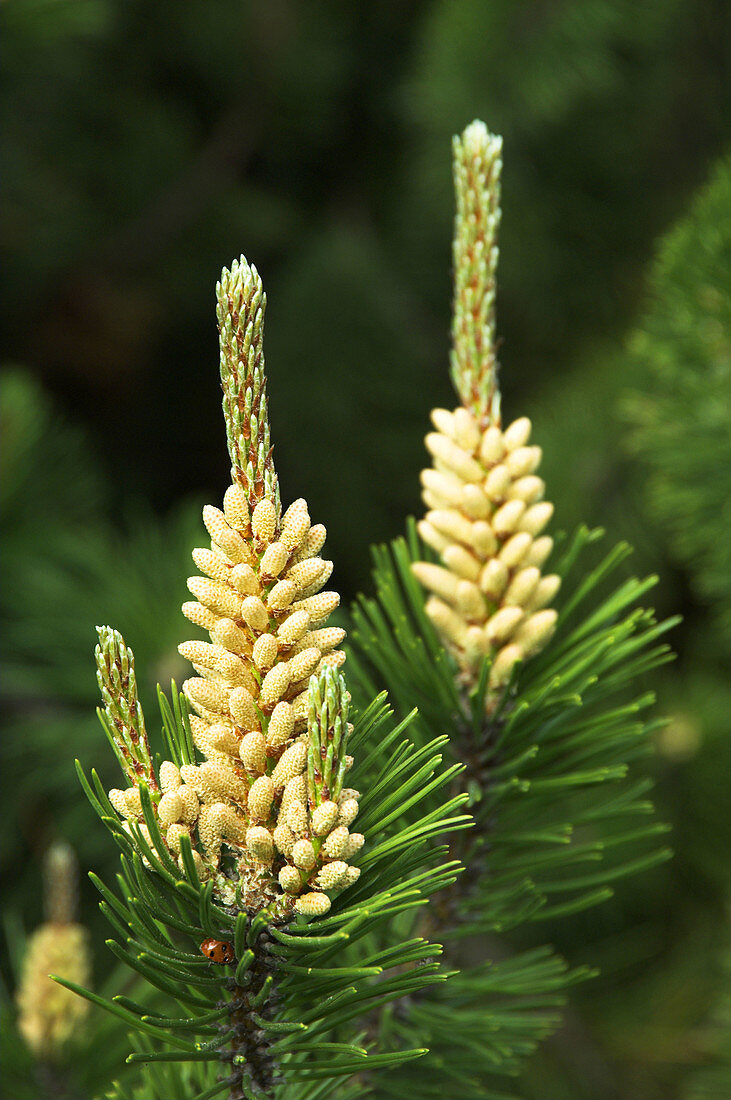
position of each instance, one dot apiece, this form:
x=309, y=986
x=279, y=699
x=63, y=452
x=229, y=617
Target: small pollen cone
x=319, y=810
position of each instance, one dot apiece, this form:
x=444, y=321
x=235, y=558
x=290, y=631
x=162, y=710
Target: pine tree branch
x=238, y=890
x=533, y=700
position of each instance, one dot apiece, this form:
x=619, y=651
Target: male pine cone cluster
x=260, y=598
x=486, y=514
x=261, y=603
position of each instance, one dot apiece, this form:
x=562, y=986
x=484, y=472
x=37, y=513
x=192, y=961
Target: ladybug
x=218, y=951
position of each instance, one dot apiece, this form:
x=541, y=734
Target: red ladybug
x=218, y=951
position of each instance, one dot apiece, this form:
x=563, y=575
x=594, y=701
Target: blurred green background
x=147, y=145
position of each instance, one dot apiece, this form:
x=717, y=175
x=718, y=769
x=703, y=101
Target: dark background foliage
x=147, y=145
